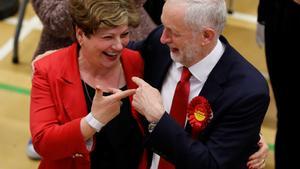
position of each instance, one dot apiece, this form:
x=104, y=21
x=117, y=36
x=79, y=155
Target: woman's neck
x=92, y=74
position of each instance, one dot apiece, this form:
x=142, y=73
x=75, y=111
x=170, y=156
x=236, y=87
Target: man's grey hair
x=206, y=13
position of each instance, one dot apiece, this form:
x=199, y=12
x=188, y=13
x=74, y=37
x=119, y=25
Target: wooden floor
x=15, y=80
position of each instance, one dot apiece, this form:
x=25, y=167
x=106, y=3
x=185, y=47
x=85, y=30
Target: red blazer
x=58, y=104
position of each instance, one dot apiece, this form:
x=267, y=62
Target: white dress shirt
x=199, y=71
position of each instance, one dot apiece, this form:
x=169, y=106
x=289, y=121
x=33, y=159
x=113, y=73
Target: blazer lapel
x=212, y=88
x=161, y=72
x=70, y=87
x=73, y=99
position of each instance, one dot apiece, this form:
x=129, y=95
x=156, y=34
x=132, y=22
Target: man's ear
x=208, y=35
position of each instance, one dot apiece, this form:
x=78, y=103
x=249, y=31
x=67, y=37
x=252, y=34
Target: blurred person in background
x=57, y=23
x=278, y=31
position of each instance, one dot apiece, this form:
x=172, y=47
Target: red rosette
x=199, y=113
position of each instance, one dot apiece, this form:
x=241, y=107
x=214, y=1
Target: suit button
x=77, y=155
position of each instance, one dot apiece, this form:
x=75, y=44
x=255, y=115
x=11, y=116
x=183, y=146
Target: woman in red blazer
x=80, y=112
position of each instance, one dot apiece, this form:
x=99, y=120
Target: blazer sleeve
x=52, y=138
x=228, y=144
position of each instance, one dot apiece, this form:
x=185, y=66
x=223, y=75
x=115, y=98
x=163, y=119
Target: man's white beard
x=189, y=54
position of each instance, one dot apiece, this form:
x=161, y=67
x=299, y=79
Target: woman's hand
x=258, y=159
x=105, y=108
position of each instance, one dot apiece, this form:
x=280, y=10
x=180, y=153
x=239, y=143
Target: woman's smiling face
x=104, y=47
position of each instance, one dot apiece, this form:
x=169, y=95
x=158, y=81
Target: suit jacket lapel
x=70, y=86
x=211, y=90
x=162, y=72
x=212, y=87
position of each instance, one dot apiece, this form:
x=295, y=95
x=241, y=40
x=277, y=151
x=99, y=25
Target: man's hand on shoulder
x=38, y=57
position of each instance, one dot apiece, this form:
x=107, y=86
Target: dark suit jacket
x=239, y=97
x=154, y=9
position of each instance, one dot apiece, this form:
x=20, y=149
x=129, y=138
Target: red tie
x=179, y=107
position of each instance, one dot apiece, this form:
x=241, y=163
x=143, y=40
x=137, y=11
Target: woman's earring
x=79, y=39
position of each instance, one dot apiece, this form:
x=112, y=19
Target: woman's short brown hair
x=90, y=15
